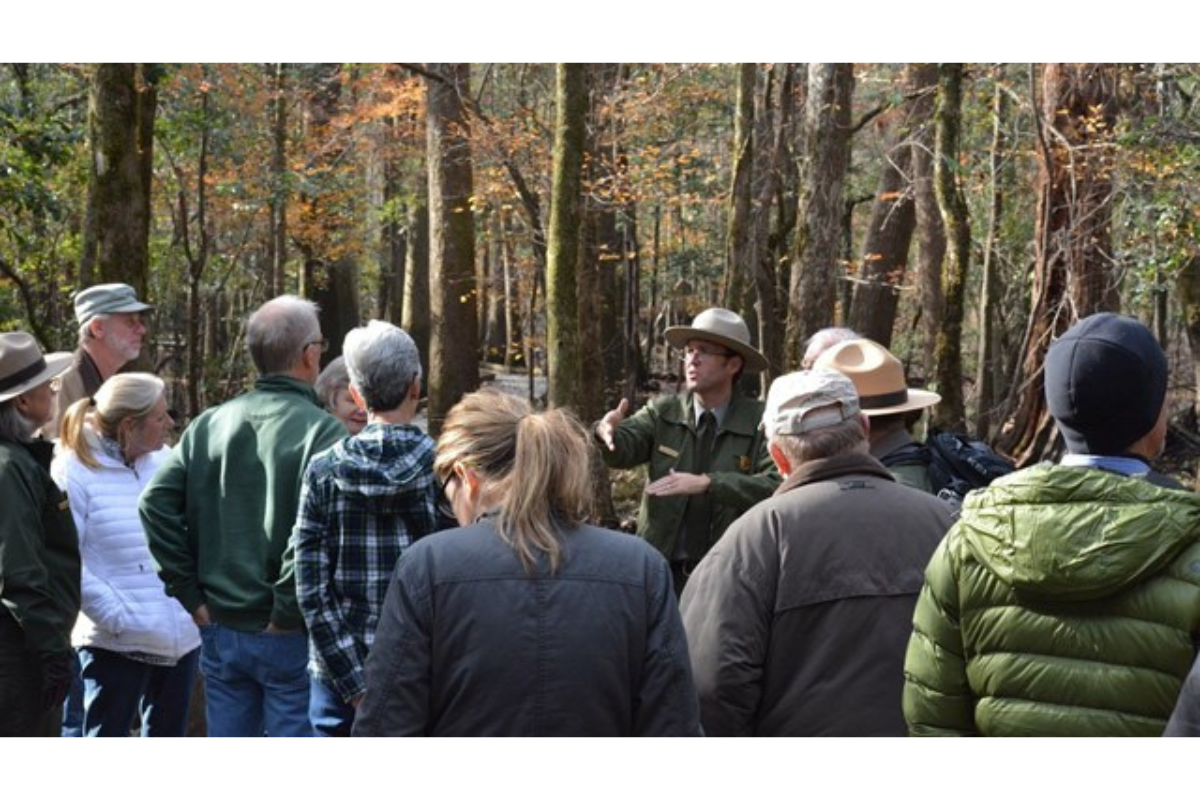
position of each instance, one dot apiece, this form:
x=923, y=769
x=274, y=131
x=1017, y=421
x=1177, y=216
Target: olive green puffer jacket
x=1065, y=601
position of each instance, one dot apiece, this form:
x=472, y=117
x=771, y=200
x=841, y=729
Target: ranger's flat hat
x=724, y=327
x=879, y=377
x=22, y=365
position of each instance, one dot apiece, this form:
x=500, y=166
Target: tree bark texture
x=884, y=266
x=988, y=363
x=1073, y=272
x=774, y=210
x=121, y=107
x=562, y=320
x=815, y=262
x=950, y=414
x=931, y=235
x=737, y=293
x=277, y=205
x=330, y=278
x=415, y=313
x=454, y=356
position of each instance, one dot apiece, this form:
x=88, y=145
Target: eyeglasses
x=691, y=353
x=321, y=343
x=445, y=507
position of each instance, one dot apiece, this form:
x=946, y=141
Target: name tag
x=662, y=448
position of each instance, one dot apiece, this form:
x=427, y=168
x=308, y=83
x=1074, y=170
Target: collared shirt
x=364, y=502
x=698, y=408
x=1121, y=465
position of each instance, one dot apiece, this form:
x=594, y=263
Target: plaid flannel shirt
x=363, y=502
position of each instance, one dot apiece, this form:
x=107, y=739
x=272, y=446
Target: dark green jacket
x=663, y=434
x=219, y=512
x=39, y=550
x=1065, y=601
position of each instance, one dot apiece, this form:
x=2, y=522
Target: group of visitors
x=331, y=570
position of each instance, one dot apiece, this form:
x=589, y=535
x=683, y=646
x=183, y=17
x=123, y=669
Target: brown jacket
x=81, y=379
x=798, y=618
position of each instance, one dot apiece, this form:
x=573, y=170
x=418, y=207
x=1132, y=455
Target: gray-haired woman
x=39, y=550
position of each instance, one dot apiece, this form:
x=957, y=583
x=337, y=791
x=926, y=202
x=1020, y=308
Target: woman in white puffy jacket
x=138, y=648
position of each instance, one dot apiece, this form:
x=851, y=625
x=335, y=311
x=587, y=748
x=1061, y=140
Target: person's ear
x=781, y=460
x=356, y=397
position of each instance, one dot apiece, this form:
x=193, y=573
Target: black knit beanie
x=1106, y=380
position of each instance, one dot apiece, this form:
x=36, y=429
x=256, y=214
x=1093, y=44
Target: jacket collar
x=741, y=417
x=826, y=469
x=285, y=384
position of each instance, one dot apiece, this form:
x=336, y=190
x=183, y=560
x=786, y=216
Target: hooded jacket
x=1065, y=601
x=363, y=503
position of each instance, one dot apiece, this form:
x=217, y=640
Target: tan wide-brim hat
x=724, y=327
x=23, y=367
x=879, y=377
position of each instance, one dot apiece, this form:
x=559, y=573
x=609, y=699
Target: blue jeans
x=255, y=683
x=117, y=689
x=72, y=721
x=330, y=716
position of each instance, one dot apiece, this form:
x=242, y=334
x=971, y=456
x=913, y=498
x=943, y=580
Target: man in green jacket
x=1066, y=600
x=219, y=516
x=708, y=460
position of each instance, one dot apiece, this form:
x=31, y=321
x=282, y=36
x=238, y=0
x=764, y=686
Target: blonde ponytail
x=536, y=462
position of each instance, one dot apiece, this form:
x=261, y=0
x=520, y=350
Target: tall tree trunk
x=815, y=262
x=415, y=314
x=950, y=414
x=1072, y=240
x=331, y=281
x=988, y=363
x=393, y=239
x=514, y=343
x=737, y=292
x=1188, y=286
x=931, y=235
x=562, y=322
x=884, y=264
x=277, y=204
x=121, y=106
x=496, y=291
x=773, y=212
x=454, y=357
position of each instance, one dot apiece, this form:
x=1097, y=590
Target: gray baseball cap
x=805, y=401
x=107, y=298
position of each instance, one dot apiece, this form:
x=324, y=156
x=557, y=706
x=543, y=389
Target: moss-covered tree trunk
x=1073, y=275
x=812, y=295
x=738, y=291
x=1188, y=285
x=454, y=335
x=989, y=363
x=122, y=101
x=562, y=321
x=773, y=213
x=950, y=414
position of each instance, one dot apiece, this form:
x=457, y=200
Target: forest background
x=560, y=216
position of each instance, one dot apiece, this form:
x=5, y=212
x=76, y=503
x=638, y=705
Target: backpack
x=956, y=463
